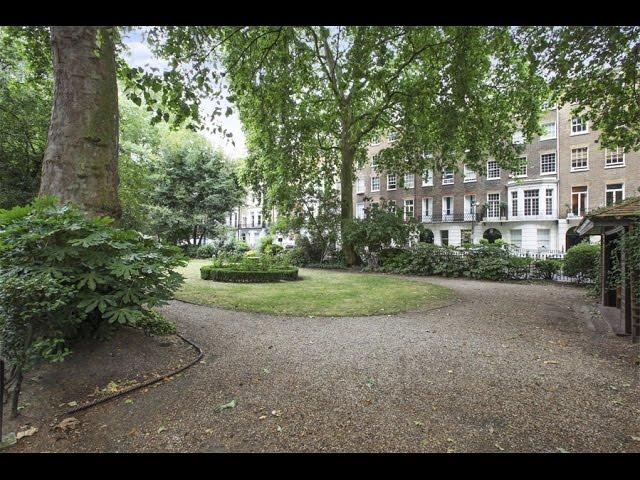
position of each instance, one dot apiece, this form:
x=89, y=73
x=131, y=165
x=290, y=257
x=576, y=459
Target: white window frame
x=427, y=209
x=428, y=180
x=360, y=205
x=582, y=132
x=524, y=162
x=519, y=244
x=516, y=204
x=531, y=213
x=614, y=165
x=395, y=181
x=548, y=246
x=374, y=161
x=448, y=176
x=468, y=211
x=497, y=167
x=549, y=197
x=360, y=186
x=607, y=190
x=555, y=163
x=469, y=175
x=372, y=178
x=578, y=194
x=445, y=216
x=549, y=136
x=493, y=205
x=572, y=158
x=409, y=184
x=409, y=202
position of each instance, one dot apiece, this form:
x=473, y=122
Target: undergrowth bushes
x=486, y=261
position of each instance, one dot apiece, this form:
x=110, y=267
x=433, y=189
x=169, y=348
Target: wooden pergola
x=610, y=223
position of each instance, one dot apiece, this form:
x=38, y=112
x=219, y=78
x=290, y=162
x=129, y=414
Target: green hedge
x=227, y=274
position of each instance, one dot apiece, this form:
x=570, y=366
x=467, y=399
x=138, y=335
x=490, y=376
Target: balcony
x=454, y=217
x=252, y=225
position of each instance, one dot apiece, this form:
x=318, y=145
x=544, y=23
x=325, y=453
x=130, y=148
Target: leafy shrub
x=190, y=251
x=394, y=260
x=267, y=247
x=313, y=251
x=382, y=226
x=546, y=269
x=206, y=251
x=449, y=262
x=298, y=256
x=519, y=268
x=583, y=261
x=64, y=276
x=489, y=261
x=156, y=324
x=328, y=265
x=231, y=273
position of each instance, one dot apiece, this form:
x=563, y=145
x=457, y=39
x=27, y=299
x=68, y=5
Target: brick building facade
x=564, y=174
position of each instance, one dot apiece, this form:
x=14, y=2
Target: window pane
x=548, y=163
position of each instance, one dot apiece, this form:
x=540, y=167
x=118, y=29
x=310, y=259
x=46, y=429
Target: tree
x=139, y=154
x=596, y=70
x=312, y=98
x=25, y=110
x=381, y=227
x=195, y=188
x=80, y=162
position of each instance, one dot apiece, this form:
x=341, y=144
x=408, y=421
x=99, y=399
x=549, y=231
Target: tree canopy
x=595, y=69
x=311, y=99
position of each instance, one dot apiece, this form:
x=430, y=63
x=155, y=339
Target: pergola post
x=604, y=270
x=626, y=300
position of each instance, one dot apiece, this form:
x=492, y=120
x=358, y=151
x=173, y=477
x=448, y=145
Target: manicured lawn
x=320, y=292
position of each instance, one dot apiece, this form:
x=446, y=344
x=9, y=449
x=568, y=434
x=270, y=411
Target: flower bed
x=237, y=274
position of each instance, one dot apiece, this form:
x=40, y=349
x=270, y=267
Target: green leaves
x=63, y=276
x=90, y=279
x=595, y=67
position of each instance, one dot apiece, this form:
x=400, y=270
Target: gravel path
x=507, y=367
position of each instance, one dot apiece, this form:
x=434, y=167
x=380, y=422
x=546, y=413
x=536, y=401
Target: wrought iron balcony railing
x=453, y=217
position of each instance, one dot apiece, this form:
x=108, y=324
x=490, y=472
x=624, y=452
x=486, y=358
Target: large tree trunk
x=81, y=159
x=346, y=202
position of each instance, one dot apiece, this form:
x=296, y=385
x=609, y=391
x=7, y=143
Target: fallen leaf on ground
x=128, y=400
x=635, y=439
x=26, y=433
x=418, y=423
x=276, y=413
x=161, y=429
x=68, y=423
x=262, y=417
x=499, y=447
x=72, y=404
x=550, y=362
x=208, y=430
x=231, y=404
x=561, y=450
x=279, y=429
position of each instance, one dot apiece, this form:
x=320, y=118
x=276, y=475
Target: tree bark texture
x=81, y=158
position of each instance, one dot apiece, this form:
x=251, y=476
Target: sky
x=141, y=56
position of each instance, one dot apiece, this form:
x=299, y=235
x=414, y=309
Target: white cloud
x=141, y=56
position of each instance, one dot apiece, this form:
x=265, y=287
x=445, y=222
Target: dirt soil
x=509, y=367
